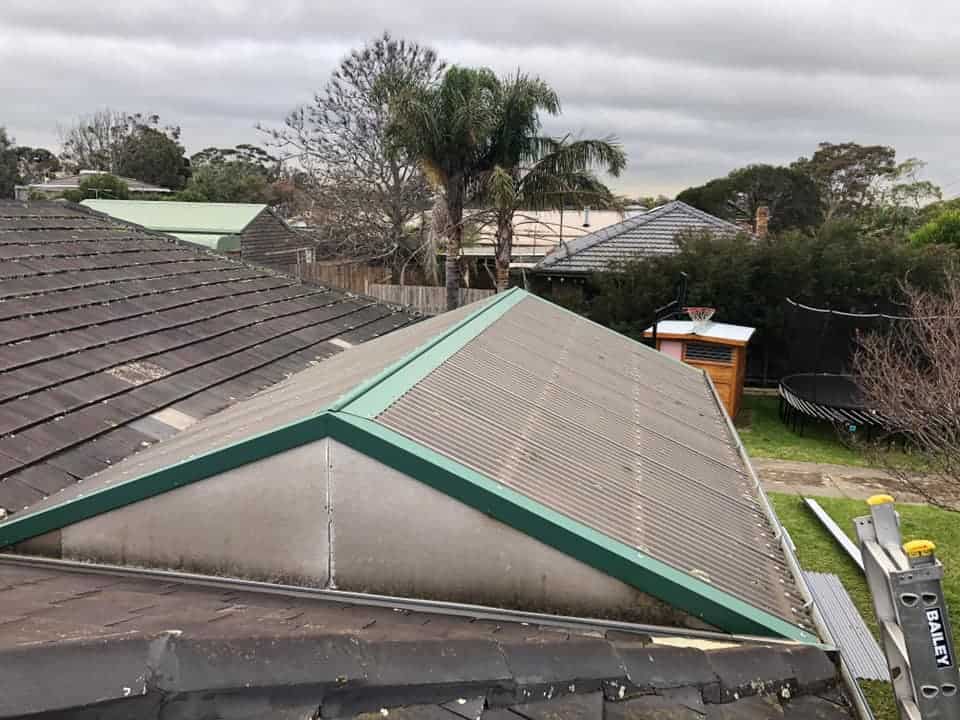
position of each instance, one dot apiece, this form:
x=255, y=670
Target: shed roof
x=578, y=436
x=71, y=182
x=651, y=233
x=112, y=337
x=181, y=217
x=709, y=329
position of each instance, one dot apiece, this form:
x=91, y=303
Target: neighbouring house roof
x=649, y=234
x=72, y=182
x=81, y=638
x=710, y=329
x=581, y=438
x=536, y=233
x=208, y=224
x=112, y=337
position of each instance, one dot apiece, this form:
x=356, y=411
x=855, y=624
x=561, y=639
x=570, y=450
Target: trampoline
x=829, y=397
x=821, y=343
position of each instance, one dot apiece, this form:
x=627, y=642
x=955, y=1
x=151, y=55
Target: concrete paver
x=826, y=480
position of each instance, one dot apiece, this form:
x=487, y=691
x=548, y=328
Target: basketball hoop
x=700, y=316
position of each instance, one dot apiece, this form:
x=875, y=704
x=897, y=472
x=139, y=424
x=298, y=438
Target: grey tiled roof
x=85, y=642
x=73, y=181
x=104, y=324
x=649, y=234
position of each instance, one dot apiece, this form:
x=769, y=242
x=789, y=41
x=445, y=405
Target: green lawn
x=817, y=551
x=764, y=435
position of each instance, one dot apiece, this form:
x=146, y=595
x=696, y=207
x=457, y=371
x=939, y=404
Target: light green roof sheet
x=301, y=414
x=221, y=243
x=181, y=217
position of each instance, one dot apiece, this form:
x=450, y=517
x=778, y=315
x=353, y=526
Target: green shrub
x=101, y=185
x=942, y=230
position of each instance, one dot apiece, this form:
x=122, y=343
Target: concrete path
x=813, y=479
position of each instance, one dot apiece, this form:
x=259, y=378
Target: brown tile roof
x=104, y=324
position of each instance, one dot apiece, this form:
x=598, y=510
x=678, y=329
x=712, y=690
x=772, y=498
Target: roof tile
x=91, y=304
x=652, y=233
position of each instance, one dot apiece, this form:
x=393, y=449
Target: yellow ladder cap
x=919, y=548
x=879, y=499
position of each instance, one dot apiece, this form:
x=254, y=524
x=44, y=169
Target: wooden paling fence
x=354, y=277
x=425, y=298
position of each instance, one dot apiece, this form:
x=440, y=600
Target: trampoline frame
x=795, y=410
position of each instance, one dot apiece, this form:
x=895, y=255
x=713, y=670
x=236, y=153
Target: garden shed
x=508, y=453
x=720, y=349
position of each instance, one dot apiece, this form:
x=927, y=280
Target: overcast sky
x=692, y=89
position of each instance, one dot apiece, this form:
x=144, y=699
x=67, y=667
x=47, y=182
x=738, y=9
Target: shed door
x=673, y=348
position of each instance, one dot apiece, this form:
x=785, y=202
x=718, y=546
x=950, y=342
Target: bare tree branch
x=366, y=191
x=910, y=376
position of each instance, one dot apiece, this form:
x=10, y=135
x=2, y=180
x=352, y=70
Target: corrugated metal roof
x=221, y=243
x=652, y=233
x=857, y=645
x=581, y=437
x=181, y=217
x=609, y=433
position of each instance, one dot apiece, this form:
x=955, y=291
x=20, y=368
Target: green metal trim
x=609, y=556
x=354, y=427
x=376, y=394
x=24, y=526
x=111, y=497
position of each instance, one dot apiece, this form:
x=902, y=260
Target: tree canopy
x=8, y=165
x=367, y=189
x=268, y=165
x=791, y=196
x=943, y=229
x=448, y=127
x=232, y=181
x=532, y=172
x=847, y=174
x=132, y=144
x=100, y=185
x=152, y=156
x=36, y=165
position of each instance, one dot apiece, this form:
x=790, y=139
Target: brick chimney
x=761, y=220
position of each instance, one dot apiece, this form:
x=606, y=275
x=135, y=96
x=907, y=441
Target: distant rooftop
x=536, y=233
x=645, y=235
x=72, y=182
x=197, y=222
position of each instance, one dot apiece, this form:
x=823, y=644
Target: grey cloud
x=860, y=36
x=691, y=89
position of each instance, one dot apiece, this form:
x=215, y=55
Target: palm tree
x=448, y=126
x=531, y=172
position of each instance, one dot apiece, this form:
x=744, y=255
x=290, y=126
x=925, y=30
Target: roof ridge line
x=370, y=385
